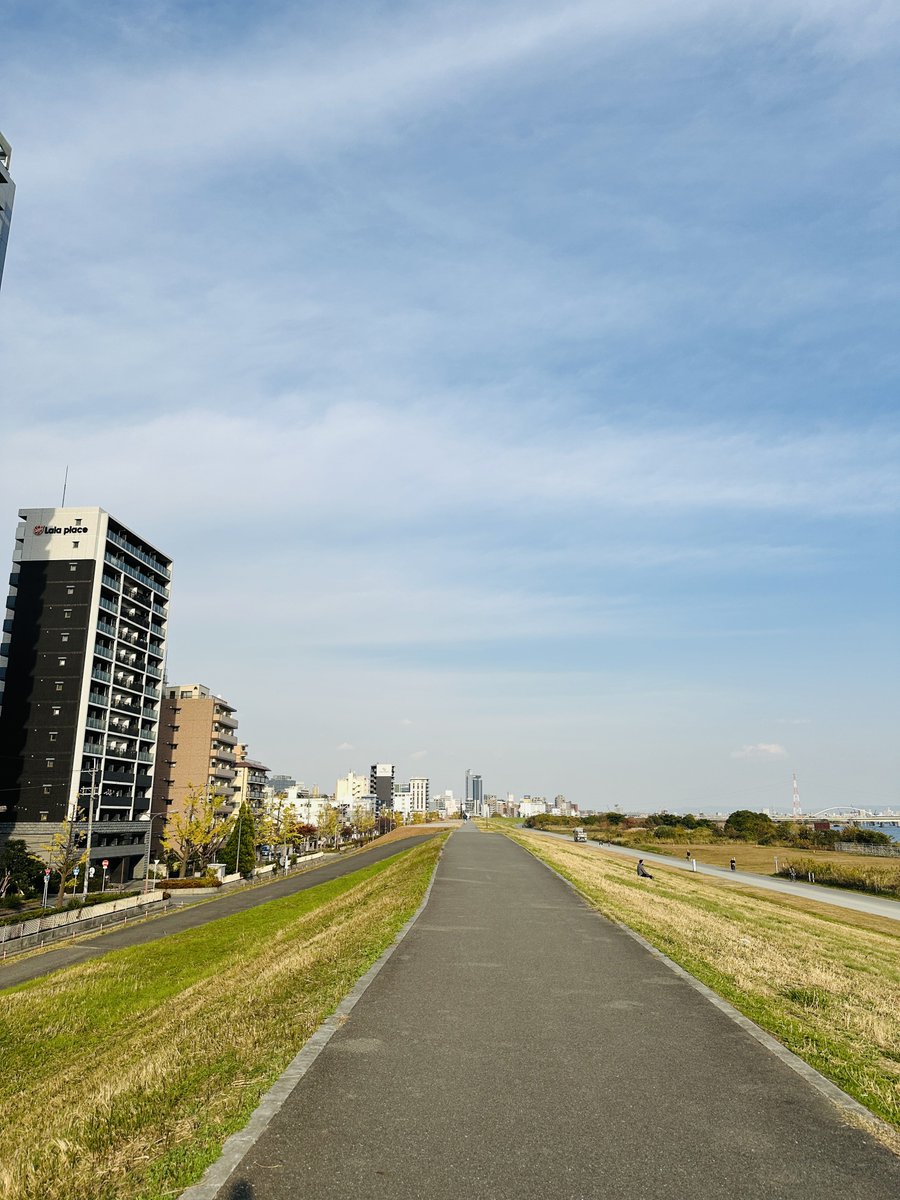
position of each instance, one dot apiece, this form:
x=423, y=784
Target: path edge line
x=885, y=1133
x=238, y=1144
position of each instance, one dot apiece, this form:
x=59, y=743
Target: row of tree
x=742, y=825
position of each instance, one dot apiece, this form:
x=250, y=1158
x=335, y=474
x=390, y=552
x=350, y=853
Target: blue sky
x=515, y=388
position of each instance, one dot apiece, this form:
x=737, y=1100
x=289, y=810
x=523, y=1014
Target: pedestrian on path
x=733, y=865
x=642, y=871
x=687, y=855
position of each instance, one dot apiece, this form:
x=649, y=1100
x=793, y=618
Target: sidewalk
x=517, y=1046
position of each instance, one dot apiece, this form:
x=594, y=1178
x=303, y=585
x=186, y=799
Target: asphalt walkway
x=92, y=945
x=517, y=1045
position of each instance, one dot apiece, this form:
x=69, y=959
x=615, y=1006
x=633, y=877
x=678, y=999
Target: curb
x=239, y=1144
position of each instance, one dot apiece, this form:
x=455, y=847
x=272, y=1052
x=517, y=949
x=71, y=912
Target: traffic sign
x=105, y=863
x=46, y=870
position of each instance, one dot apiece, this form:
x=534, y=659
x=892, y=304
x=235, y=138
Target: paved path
x=517, y=1046
x=19, y=970
x=839, y=897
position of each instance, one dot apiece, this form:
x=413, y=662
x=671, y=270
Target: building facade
x=7, y=195
x=250, y=782
x=81, y=664
x=381, y=786
x=350, y=789
x=197, y=748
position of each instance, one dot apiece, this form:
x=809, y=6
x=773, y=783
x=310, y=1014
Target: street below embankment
x=143, y=931
x=519, y=1046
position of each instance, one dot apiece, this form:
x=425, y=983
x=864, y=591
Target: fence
x=864, y=848
x=75, y=916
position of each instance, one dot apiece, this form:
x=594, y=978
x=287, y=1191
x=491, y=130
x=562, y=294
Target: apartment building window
x=52, y=735
x=55, y=710
x=44, y=816
x=64, y=637
x=62, y=662
x=59, y=685
x=50, y=763
x=70, y=589
x=67, y=613
x=47, y=790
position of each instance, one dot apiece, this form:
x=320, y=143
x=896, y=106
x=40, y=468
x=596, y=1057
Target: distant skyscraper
x=474, y=793
x=81, y=662
x=381, y=786
x=7, y=193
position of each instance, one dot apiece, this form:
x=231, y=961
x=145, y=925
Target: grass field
x=122, y=1077
x=826, y=986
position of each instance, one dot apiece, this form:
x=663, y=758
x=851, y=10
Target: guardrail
x=26, y=934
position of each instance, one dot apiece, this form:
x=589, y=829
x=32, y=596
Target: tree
x=19, y=869
x=749, y=826
x=327, y=825
x=64, y=856
x=197, y=832
x=239, y=853
x=363, y=822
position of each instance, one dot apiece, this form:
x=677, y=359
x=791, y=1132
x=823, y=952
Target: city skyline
x=508, y=387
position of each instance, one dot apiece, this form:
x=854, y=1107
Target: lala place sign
x=42, y=529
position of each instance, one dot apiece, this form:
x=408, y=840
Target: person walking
x=733, y=864
x=642, y=871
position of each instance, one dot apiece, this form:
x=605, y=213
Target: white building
x=350, y=789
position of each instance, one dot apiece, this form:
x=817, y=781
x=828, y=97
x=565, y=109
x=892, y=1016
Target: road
x=518, y=1046
x=66, y=954
x=840, y=897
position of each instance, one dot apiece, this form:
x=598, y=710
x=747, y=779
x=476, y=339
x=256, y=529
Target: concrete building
x=7, y=195
x=197, y=747
x=381, y=786
x=419, y=789
x=81, y=662
x=350, y=789
x=249, y=781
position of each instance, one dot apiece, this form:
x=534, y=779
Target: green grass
x=123, y=1077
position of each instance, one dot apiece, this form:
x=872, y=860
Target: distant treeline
x=742, y=825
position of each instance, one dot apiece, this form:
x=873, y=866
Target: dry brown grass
x=122, y=1077
x=827, y=987
x=761, y=859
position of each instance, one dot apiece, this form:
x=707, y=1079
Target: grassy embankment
x=123, y=1077
x=824, y=983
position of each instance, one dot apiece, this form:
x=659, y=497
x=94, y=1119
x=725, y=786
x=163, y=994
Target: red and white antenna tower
x=795, y=811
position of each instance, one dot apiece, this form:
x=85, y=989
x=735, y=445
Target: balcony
x=120, y=564
x=153, y=563
x=102, y=651
x=152, y=692
x=109, y=605
x=160, y=611
x=110, y=581
x=95, y=723
x=98, y=698
x=101, y=675
x=109, y=630
x=95, y=748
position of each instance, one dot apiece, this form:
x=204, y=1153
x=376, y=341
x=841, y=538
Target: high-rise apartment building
x=197, y=747
x=7, y=195
x=381, y=786
x=81, y=663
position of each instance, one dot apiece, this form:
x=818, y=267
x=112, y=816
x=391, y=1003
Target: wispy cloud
x=762, y=750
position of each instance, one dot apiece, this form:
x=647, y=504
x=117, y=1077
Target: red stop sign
x=105, y=863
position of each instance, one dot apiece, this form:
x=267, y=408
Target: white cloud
x=762, y=750
x=419, y=754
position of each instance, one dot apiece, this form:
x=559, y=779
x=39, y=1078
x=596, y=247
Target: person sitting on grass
x=642, y=871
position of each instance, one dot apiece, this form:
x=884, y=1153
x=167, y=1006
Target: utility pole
x=796, y=811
